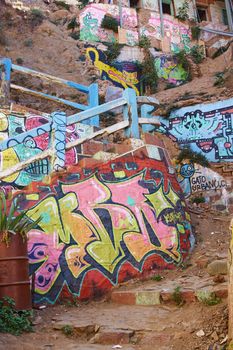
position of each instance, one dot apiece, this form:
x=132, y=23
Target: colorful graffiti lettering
x=168, y=69
x=91, y=18
x=206, y=128
x=123, y=74
x=178, y=34
x=15, y=124
x=194, y=178
x=115, y=229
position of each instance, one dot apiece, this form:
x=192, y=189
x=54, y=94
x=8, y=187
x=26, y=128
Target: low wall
x=102, y=225
x=206, y=128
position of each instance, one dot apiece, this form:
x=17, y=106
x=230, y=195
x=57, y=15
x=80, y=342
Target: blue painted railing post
x=5, y=77
x=146, y=111
x=93, y=101
x=59, y=141
x=130, y=112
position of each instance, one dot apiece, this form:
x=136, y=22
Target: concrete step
x=192, y=289
x=163, y=327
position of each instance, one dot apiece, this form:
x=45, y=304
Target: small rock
x=224, y=340
x=217, y=267
x=214, y=336
x=37, y=320
x=59, y=15
x=219, y=279
x=200, y=333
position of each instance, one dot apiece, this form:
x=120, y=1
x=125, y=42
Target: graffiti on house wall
x=104, y=226
x=121, y=74
x=91, y=18
x=15, y=124
x=194, y=178
x=168, y=69
x=177, y=33
x=206, y=128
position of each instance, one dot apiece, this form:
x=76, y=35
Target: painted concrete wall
x=216, y=12
x=193, y=178
x=206, y=128
x=122, y=74
x=104, y=225
x=169, y=70
x=91, y=18
x=18, y=122
x=177, y=35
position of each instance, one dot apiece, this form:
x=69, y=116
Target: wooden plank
x=50, y=152
x=131, y=113
x=59, y=141
x=93, y=101
x=5, y=75
x=109, y=130
x=20, y=138
x=152, y=120
x=45, y=76
x=49, y=97
x=148, y=100
x=22, y=165
x=75, y=118
x=78, y=117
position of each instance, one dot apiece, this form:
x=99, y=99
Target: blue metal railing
x=91, y=91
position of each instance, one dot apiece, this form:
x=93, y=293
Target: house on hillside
x=166, y=23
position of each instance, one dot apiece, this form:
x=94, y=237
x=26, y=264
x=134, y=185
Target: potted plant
x=14, y=266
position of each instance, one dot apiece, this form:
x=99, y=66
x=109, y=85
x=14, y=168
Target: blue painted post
x=146, y=111
x=130, y=112
x=93, y=101
x=59, y=142
x=5, y=77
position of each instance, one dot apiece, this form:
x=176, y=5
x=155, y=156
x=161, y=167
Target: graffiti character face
x=187, y=170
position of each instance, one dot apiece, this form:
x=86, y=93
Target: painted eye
x=29, y=142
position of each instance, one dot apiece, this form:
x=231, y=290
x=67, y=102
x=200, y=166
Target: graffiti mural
x=15, y=124
x=121, y=74
x=177, y=33
x=104, y=226
x=194, y=178
x=206, y=128
x=168, y=69
x=91, y=18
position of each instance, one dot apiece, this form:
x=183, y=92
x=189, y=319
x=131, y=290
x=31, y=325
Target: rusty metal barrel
x=14, y=273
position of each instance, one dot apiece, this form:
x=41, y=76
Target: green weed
x=177, y=296
x=13, y=321
x=68, y=330
x=156, y=278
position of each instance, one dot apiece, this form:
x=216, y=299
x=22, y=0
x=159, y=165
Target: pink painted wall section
x=176, y=33
x=103, y=225
x=91, y=18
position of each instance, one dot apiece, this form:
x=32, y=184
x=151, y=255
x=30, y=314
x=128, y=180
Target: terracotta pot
x=14, y=272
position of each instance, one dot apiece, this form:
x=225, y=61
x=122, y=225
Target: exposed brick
x=188, y=296
x=141, y=153
x=127, y=298
x=92, y=147
x=112, y=336
x=117, y=148
x=89, y=162
x=166, y=296
x=221, y=293
x=151, y=139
